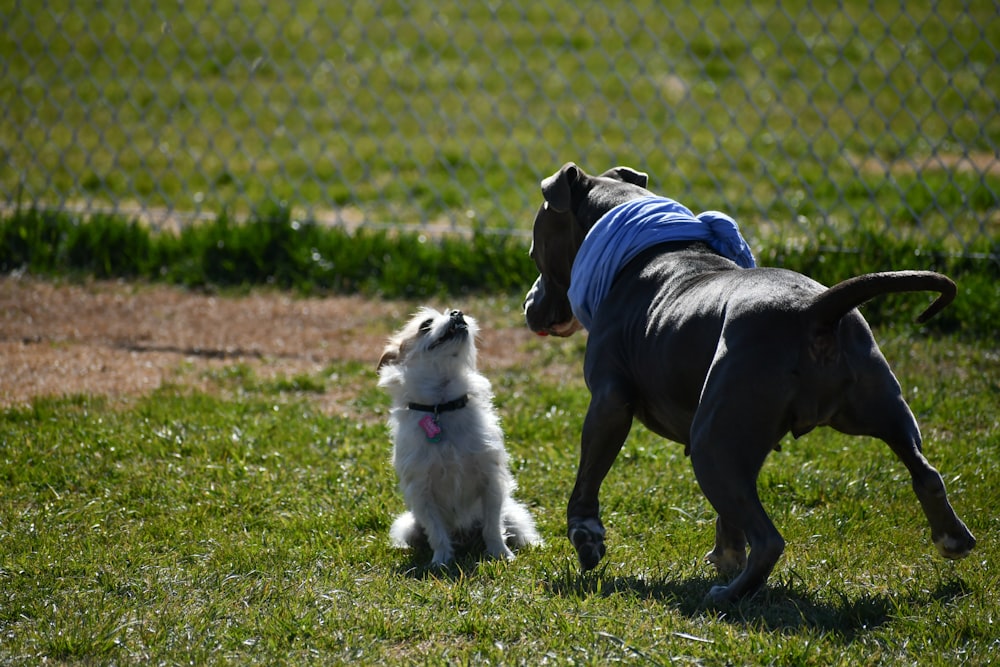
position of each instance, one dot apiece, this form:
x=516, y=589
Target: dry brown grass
x=122, y=340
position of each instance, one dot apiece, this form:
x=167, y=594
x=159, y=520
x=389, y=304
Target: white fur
x=463, y=481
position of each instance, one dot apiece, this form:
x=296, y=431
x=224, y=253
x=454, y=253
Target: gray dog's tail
x=827, y=308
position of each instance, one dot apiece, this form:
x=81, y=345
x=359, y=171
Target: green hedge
x=272, y=249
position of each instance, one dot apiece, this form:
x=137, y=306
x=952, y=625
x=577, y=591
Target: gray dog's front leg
x=730, y=553
x=605, y=428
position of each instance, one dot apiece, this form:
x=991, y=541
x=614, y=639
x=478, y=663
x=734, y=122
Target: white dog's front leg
x=437, y=536
x=493, y=528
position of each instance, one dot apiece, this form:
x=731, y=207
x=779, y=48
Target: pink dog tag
x=431, y=428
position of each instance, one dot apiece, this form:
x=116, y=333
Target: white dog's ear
x=556, y=188
x=389, y=356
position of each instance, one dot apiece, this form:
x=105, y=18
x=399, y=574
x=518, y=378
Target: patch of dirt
x=123, y=340
x=976, y=162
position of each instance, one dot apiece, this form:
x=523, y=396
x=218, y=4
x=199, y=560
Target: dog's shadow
x=470, y=553
x=420, y=568
x=782, y=606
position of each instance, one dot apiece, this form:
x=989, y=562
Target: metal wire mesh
x=803, y=118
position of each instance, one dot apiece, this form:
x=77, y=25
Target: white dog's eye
x=425, y=326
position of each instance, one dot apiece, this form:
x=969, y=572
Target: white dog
x=448, y=446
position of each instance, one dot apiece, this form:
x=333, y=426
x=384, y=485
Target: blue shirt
x=628, y=229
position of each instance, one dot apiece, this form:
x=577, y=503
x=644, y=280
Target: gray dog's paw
x=588, y=540
x=719, y=596
x=957, y=546
x=727, y=561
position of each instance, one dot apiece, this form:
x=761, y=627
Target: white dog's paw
x=442, y=558
x=444, y=551
x=500, y=552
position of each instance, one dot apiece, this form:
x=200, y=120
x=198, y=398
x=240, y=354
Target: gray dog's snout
x=533, y=294
x=457, y=315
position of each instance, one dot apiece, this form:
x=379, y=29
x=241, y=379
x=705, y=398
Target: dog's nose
x=456, y=315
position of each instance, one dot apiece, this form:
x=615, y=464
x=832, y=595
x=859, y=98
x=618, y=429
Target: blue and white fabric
x=628, y=229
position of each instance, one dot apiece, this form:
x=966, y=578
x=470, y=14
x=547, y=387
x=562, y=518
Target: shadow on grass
x=782, y=606
x=470, y=553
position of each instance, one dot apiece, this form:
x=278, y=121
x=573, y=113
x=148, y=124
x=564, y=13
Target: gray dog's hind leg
x=734, y=429
x=897, y=427
x=605, y=428
x=949, y=534
x=729, y=481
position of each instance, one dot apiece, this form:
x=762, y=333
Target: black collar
x=456, y=404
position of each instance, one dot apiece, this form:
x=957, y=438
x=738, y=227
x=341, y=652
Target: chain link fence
x=805, y=119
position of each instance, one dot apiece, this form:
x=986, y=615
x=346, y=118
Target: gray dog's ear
x=556, y=188
x=628, y=175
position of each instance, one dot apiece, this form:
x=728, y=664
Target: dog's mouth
x=457, y=329
x=563, y=329
x=542, y=311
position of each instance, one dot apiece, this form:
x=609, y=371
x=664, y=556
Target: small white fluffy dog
x=448, y=446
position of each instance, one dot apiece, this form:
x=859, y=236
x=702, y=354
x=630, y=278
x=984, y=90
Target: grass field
x=804, y=118
x=191, y=528
x=249, y=526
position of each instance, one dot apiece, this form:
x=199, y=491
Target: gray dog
x=723, y=359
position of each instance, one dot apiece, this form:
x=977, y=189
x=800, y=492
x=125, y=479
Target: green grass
x=187, y=528
x=184, y=528
x=454, y=112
